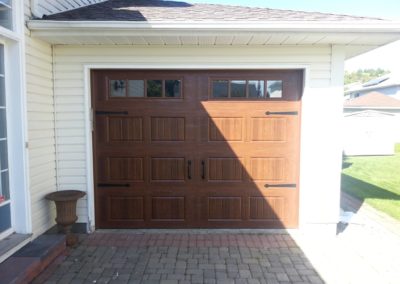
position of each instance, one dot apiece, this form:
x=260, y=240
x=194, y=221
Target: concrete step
x=12, y=243
x=28, y=262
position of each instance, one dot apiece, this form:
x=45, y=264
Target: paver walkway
x=366, y=251
x=179, y=257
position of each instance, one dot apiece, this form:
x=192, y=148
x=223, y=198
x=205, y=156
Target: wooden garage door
x=180, y=149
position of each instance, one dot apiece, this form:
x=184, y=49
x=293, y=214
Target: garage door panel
x=225, y=129
x=167, y=208
x=272, y=169
x=126, y=169
x=224, y=208
x=262, y=208
x=118, y=207
x=135, y=131
x=225, y=169
x=124, y=129
x=115, y=168
x=268, y=129
x=119, y=129
x=167, y=169
x=281, y=130
x=126, y=208
x=268, y=169
x=168, y=128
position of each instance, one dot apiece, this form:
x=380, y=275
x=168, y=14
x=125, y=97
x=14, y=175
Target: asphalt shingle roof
x=373, y=99
x=157, y=10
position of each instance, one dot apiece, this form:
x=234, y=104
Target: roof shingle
x=157, y=10
x=373, y=99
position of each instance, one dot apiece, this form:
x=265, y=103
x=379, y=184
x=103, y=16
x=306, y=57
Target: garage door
x=196, y=149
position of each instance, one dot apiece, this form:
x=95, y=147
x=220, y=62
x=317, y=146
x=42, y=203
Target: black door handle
x=203, y=170
x=189, y=169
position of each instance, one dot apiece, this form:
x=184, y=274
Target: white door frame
x=17, y=132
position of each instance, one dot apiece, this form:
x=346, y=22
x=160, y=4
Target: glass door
x=5, y=204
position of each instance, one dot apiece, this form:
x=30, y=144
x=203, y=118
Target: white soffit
x=357, y=37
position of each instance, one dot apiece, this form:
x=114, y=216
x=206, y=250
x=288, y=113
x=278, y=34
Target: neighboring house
x=371, y=124
x=388, y=84
x=174, y=115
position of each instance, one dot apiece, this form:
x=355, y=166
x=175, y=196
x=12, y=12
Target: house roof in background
x=373, y=100
x=388, y=80
x=157, y=10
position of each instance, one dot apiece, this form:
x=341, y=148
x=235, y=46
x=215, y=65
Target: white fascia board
x=262, y=26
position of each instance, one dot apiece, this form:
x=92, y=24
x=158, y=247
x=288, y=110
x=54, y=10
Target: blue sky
x=389, y=9
x=386, y=9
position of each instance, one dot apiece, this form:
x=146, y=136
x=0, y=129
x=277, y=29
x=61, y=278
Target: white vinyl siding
x=69, y=66
x=48, y=7
x=41, y=133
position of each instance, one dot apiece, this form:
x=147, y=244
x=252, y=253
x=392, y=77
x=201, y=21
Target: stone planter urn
x=65, y=201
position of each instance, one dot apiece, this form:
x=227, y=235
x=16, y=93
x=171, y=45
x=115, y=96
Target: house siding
x=48, y=7
x=41, y=133
x=69, y=70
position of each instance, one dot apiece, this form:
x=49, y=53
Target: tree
x=363, y=75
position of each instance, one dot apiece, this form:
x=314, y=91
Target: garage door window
x=256, y=89
x=145, y=88
x=252, y=89
x=172, y=88
x=220, y=89
x=274, y=89
x=238, y=89
x=117, y=88
x=136, y=88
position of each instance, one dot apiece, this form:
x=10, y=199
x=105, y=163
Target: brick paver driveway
x=183, y=257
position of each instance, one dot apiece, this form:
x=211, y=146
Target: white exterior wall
x=41, y=133
x=48, y=7
x=320, y=151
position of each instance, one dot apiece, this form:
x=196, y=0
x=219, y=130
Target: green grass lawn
x=374, y=179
